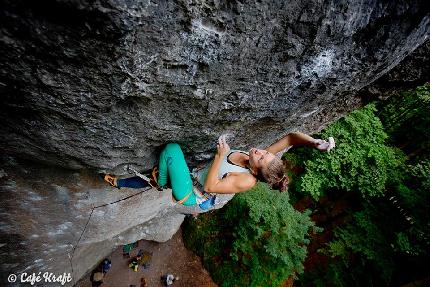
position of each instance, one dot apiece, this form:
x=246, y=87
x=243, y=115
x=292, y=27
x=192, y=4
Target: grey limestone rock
x=105, y=83
x=98, y=85
x=57, y=221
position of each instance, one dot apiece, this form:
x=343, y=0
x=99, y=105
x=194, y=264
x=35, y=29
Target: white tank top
x=226, y=167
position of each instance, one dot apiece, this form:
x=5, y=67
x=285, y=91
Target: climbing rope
x=394, y=201
x=88, y=221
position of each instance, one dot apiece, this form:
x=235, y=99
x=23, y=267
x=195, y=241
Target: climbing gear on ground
x=98, y=276
x=127, y=248
x=144, y=258
x=134, y=265
x=111, y=180
x=143, y=282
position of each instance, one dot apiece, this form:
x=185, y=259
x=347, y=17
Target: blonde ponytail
x=275, y=175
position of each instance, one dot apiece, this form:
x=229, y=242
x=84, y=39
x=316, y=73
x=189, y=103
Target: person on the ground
x=231, y=171
x=96, y=278
x=143, y=282
x=106, y=265
x=168, y=279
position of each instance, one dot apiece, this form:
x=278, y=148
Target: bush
x=258, y=239
x=360, y=162
x=406, y=119
x=384, y=240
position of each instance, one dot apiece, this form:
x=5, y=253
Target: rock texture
x=104, y=83
x=57, y=221
x=413, y=71
x=101, y=84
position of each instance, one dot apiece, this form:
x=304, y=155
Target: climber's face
x=259, y=158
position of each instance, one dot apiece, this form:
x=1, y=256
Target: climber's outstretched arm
x=291, y=139
x=298, y=138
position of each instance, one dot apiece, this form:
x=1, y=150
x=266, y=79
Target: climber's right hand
x=222, y=147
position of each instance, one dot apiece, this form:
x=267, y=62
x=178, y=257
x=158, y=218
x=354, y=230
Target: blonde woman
x=230, y=172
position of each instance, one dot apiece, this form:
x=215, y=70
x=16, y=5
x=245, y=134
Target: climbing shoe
x=154, y=176
x=111, y=180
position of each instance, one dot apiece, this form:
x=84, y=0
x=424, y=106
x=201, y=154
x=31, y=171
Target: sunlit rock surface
x=102, y=84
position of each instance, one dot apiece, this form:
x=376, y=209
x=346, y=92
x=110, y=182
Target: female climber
x=230, y=172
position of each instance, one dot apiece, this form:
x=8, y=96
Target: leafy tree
x=368, y=241
x=265, y=237
x=259, y=239
x=389, y=228
x=360, y=162
x=406, y=119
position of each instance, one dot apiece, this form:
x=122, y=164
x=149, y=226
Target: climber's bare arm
x=291, y=139
x=234, y=182
x=296, y=139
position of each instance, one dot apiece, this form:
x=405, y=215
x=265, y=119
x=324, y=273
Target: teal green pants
x=172, y=166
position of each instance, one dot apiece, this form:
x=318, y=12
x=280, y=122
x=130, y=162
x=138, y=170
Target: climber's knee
x=173, y=148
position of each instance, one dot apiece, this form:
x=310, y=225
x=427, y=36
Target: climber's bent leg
x=131, y=182
x=172, y=165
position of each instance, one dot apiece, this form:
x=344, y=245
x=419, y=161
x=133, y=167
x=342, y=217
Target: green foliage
x=415, y=197
x=271, y=242
x=265, y=237
x=404, y=243
x=421, y=174
x=259, y=239
x=374, y=242
x=361, y=160
x=407, y=118
x=365, y=237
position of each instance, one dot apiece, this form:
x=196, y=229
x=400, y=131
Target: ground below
x=169, y=257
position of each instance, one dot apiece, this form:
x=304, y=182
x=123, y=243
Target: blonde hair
x=275, y=175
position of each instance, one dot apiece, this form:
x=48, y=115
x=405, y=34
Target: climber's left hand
x=324, y=145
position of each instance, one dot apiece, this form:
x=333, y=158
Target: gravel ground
x=169, y=257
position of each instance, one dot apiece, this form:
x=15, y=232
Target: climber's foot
x=111, y=180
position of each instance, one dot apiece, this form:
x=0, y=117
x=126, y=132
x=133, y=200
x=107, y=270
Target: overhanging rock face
x=102, y=84
x=105, y=83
